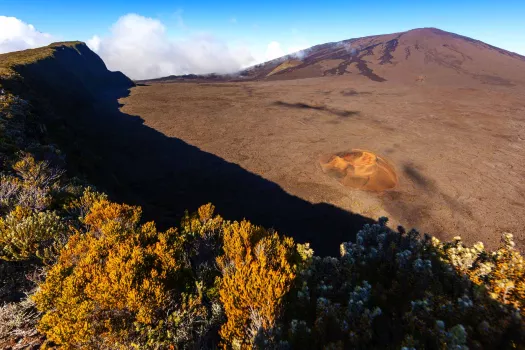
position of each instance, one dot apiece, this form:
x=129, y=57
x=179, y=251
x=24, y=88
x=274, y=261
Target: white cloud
x=94, y=43
x=140, y=47
x=16, y=35
x=273, y=51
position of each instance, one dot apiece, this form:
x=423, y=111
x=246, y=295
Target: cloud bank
x=140, y=47
x=16, y=35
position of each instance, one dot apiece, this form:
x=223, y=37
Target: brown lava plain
x=451, y=124
x=458, y=151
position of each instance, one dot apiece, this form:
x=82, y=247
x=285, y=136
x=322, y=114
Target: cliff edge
x=66, y=74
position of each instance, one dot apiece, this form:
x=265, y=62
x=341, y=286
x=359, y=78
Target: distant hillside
x=418, y=55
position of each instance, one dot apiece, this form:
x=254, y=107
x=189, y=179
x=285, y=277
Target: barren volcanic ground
x=458, y=151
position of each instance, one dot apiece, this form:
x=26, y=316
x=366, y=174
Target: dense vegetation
x=78, y=270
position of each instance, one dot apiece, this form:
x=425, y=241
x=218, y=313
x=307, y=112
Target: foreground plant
x=26, y=234
x=392, y=288
x=257, y=271
x=116, y=275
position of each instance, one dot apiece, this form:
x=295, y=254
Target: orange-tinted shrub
x=257, y=271
x=117, y=274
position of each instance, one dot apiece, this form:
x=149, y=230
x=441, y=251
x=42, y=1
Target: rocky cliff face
x=67, y=75
x=74, y=98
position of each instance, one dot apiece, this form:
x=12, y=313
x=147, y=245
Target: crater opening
x=360, y=169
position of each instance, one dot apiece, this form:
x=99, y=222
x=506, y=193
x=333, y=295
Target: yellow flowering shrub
x=203, y=223
x=117, y=274
x=81, y=205
x=506, y=282
x=257, y=271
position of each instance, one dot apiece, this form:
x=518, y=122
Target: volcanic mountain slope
x=420, y=55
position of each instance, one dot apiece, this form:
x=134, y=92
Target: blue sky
x=253, y=26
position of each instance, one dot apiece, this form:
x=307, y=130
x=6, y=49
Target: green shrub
x=395, y=289
x=26, y=234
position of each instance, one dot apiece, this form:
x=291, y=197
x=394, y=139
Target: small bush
x=191, y=325
x=500, y=273
x=26, y=234
x=10, y=187
x=79, y=207
x=204, y=233
x=37, y=174
x=257, y=271
x=32, y=184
